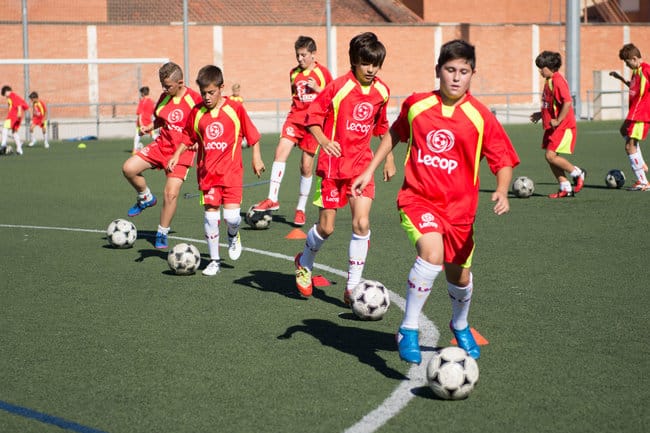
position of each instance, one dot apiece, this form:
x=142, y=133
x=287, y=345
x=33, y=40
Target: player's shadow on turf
x=271, y=281
x=359, y=342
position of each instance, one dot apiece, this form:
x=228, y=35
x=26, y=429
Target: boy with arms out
x=17, y=107
x=307, y=80
x=343, y=119
x=559, y=124
x=145, y=116
x=448, y=132
x=636, y=124
x=218, y=125
x=172, y=110
x=39, y=119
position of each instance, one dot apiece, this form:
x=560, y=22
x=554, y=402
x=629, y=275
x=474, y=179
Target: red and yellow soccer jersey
x=640, y=94
x=15, y=101
x=556, y=93
x=172, y=113
x=219, y=133
x=446, y=145
x=39, y=110
x=349, y=114
x=145, y=111
x=301, y=94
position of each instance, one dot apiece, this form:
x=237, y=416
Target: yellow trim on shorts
x=411, y=231
x=637, y=131
x=318, y=194
x=565, y=144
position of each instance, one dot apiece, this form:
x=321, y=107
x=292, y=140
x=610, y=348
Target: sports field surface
x=95, y=339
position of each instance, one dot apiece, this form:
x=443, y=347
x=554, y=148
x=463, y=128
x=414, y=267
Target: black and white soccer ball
x=121, y=233
x=258, y=220
x=615, y=178
x=523, y=187
x=452, y=373
x=370, y=300
x=8, y=150
x=184, y=259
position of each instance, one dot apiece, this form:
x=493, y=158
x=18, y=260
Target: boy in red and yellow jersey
x=307, y=80
x=636, y=124
x=448, y=133
x=343, y=118
x=559, y=124
x=219, y=125
x=39, y=119
x=17, y=108
x=144, y=117
x=172, y=111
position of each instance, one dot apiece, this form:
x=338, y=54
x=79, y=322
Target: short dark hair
x=33, y=95
x=457, y=49
x=305, y=42
x=144, y=90
x=209, y=74
x=549, y=59
x=628, y=51
x=5, y=89
x=366, y=48
x=170, y=70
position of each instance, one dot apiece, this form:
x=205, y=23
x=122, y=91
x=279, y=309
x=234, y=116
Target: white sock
x=232, y=217
x=211, y=226
x=575, y=173
x=5, y=135
x=636, y=161
x=136, y=141
x=461, y=298
x=358, y=252
x=145, y=195
x=313, y=243
x=19, y=143
x=305, y=187
x=277, y=173
x=421, y=278
x=565, y=186
x=163, y=230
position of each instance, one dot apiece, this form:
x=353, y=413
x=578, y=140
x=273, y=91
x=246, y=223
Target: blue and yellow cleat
x=408, y=345
x=465, y=340
x=141, y=205
x=161, y=241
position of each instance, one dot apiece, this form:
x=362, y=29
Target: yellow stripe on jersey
x=336, y=101
x=197, y=119
x=162, y=104
x=643, y=83
x=414, y=110
x=321, y=77
x=230, y=112
x=475, y=117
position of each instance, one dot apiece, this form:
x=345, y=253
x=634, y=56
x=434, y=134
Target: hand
x=535, y=117
x=331, y=148
x=258, y=168
x=360, y=183
x=172, y=163
x=311, y=83
x=502, y=204
x=555, y=123
x=389, y=170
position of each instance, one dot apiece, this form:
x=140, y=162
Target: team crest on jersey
x=362, y=111
x=175, y=116
x=440, y=140
x=290, y=131
x=428, y=220
x=214, y=130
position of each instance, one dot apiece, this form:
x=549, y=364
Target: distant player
x=172, y=111
x=559, y=124
x=448, y=132
x=236, y=93
x=17, y=108
x=636, y=124
x=39, y=119
x=219, y=125
x=307, y=80
x=343, y=119
x=145, y=117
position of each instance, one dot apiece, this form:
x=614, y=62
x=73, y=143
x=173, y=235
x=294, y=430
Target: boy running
x=559, y=125
x=636, y=124
x=307, y=80
x=343, y=119
x=172, y=110
x=448, y=132
x=218, y=125
x=17, y=107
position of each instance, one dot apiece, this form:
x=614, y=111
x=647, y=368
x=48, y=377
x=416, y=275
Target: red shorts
x=297, y=132
x=458, y=240
x=635, y=130
x=218, y=195
x=13, y=124
x=39, y=121
x=334, y=193
x=154, y=156
x=559, y=140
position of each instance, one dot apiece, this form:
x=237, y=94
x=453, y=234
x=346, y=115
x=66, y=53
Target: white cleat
x=234, y=247
x=212, y=269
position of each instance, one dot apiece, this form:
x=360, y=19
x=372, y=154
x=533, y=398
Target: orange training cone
x=480, y=340
x=296, y=234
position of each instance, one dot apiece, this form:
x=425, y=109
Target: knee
x=325, y=230
x=361, y=226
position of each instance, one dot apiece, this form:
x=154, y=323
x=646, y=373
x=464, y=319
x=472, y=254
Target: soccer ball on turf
x=7, y=150
x=258, y=220
x=523, y=187
x=615, y=178
x=452, y=373
x=121, y=233
x=184, y=259
x=370, y=300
